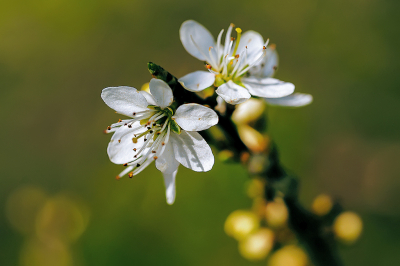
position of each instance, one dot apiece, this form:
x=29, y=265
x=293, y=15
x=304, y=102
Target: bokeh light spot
x=22, y=206
x=61, y=218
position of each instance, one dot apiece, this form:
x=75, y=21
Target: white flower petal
x=193, y=31
x=268, y=87
x=195, y=117
x=120, y=148
x=124, y=100
x=170, y=188
x=268, y=65
x=161, y=92
x=197, y=81
x=221, y=105
x=254, y=42
x=233, y=93
x=192, y=151
x=149, y=98
x=293, y=100
x=168, y=165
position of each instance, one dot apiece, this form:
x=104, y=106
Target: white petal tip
x=170, y=201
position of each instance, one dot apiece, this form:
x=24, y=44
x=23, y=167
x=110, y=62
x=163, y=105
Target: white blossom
x=267, y=69
x=229, y=64
x=157, y=132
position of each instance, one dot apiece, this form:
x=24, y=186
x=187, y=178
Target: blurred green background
x=55, y=58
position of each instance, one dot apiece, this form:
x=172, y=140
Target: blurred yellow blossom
x=276, y=213
x=257, y=245
x=289, y=256
x=348, y=227
x=241, y=223
x=322, y=204
x=253, y=139
x=255, y=188
x=249, y=111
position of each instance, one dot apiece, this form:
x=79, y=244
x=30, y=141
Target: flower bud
x=258, y=206
x=258, y=163
x=322, y=204
x=253, y=139
x=249, y=111
x=348, y=227
x=225, y=155
x=257, y=245
x=255, y=188
x=289, y=256
x=241, y=223
x=276, y=213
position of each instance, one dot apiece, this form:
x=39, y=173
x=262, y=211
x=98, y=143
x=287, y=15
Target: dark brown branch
x=182, y=96
x=309, y=228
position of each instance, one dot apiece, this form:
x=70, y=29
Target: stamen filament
x=126, y=170
x=227, y=38
x=213, y=63
x=263, y=53
x=219, y=50
x=239, y=34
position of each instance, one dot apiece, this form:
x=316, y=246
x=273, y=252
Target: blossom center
x=149, y=131
x=231, y=64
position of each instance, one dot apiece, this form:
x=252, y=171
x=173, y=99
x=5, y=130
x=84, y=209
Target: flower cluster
x=164, y=130
x=239, y=68
x=263, y=232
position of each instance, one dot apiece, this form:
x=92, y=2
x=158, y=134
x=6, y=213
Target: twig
x=308, y=227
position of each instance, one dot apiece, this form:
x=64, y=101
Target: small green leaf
x=169, y=111
x=175, y=127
